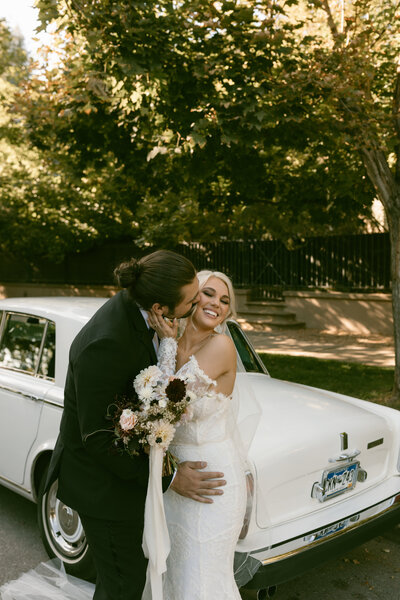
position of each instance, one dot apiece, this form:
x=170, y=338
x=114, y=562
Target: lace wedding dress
x=203, y=536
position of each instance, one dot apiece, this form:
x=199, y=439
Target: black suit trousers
x=116, y=548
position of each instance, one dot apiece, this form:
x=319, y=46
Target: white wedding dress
x=204, y=536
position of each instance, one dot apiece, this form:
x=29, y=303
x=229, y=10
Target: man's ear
x=158, y=309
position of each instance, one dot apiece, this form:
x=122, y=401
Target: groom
x=108, y=489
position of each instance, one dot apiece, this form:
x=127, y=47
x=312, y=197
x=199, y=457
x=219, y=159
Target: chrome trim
x=349, y=455
x=38, y=376
x=14, y=391
x=353, y=521
x=20, y=487
x=46, y=326
x=31, y=396
x=52, y=403
x=2, y=324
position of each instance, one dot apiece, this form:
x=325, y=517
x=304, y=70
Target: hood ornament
x=344, y=444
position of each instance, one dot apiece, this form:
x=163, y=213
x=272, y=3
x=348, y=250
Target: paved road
x=371, y=572
x=369, y=350
x=20, y=545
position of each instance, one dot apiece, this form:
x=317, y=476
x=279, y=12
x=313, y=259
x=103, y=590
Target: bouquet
x=150, y=417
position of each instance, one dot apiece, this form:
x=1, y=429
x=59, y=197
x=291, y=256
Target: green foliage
x=168, y=122
x=352, y=379
x=196, y=105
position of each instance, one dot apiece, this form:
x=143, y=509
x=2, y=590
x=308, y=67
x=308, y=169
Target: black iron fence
x=353, y=262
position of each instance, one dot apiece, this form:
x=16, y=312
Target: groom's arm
x=101, y=372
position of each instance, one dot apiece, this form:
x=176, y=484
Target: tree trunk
x=388, y=192
x=394, y=230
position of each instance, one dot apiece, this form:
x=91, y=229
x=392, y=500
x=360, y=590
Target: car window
x=251, y=362
x=48, y=358
x=21, y=342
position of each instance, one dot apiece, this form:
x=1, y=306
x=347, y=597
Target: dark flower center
x=176, y=390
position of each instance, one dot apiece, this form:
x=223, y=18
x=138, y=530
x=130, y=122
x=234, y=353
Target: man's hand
x=189, y=481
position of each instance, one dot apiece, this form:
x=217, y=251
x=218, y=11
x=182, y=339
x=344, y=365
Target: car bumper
x=292, y=558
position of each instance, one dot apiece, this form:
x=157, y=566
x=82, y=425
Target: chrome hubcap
x=64, y=527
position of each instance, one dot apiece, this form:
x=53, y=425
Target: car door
x=27, y=354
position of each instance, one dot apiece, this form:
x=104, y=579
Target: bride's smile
x=214, y=304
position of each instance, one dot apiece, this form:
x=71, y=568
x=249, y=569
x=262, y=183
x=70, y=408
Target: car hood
x=299, y=432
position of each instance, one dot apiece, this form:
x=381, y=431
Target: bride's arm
x=168, y=345
x=217, y=359
x=167, y=356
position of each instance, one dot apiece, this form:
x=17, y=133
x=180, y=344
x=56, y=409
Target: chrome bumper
x=291, y=558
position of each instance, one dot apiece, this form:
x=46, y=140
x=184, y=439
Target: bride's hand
x=163, y=327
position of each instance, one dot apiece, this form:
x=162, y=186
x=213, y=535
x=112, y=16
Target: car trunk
x=298, y=432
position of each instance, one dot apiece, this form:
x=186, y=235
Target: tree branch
x=382, y=178
x=331, y=21
x=385, y=29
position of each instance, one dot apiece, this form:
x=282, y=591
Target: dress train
x=48, y=581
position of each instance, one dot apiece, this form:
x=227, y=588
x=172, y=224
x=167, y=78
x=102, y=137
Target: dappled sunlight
x=371, y=350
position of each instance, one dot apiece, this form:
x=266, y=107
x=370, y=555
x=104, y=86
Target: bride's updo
x=157, y=277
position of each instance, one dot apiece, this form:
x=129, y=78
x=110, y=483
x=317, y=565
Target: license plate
x=340, y=479
x=331, y=529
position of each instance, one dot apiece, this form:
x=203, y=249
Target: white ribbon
x=156, y=544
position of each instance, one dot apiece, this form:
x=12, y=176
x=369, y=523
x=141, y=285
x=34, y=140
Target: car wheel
x=62, y=533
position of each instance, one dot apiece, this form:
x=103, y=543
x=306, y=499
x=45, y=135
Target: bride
x=203, y=533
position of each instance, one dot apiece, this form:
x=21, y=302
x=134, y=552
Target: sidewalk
x=369, y=350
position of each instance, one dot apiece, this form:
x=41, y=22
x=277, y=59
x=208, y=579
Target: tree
x=192, y=100
x=354, y=78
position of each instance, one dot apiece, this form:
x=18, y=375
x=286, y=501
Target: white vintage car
x=324, y=468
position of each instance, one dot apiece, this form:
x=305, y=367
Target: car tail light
x=249, y=504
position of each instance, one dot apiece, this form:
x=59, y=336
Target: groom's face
x=190, y=297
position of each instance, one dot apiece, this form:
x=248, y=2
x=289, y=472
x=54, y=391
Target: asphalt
x=369, y=350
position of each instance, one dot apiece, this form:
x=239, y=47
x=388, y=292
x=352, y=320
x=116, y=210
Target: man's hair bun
x=127, y=273
x=156, y=277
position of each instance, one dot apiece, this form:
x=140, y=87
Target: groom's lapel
x=138, y=324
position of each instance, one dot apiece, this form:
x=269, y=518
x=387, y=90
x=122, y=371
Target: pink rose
x=127, y=419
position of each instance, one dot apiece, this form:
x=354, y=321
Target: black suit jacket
x=105, y=357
